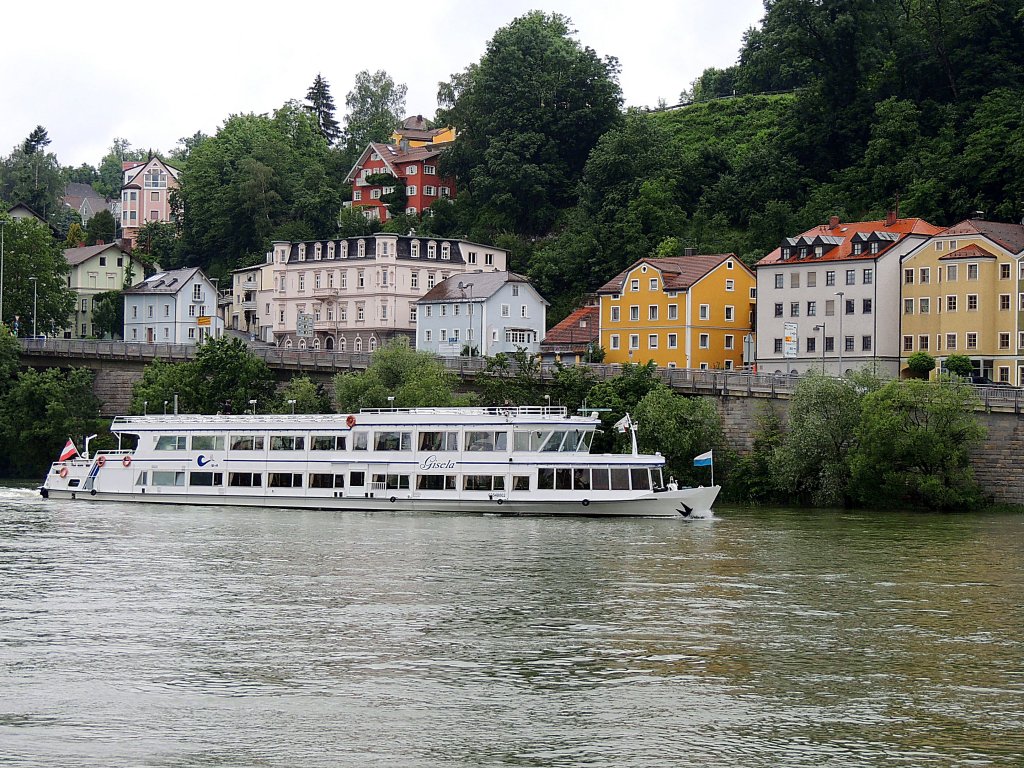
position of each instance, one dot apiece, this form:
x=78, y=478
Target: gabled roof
x=137, y=167
x=678, y=272
x=971, y=251
x=837, y=240
x=577, y=330
x=76, y=192
x=1008, y=236
x=476, y=286
x=76, y=256
x=394, y=156
x=168, y=282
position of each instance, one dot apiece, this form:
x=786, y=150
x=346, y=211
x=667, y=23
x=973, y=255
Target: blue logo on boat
x=202, y=461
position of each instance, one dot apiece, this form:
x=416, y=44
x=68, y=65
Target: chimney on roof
x=81, y=244
x=978, y=215
x=833, y=222
x=890, y=218
x=689, y=251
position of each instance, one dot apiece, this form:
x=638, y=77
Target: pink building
x=145, y=194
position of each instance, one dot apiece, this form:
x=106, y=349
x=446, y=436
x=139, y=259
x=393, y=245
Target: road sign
x=203, y=321
x=790, y=344
x=304, y=325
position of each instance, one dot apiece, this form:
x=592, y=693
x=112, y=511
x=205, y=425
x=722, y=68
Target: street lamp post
x=821, y=327
x=842, y=340
x=35, y=281
x=463, y=286
x=292, y=404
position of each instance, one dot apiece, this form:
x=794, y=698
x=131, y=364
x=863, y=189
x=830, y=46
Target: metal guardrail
x=705, y=382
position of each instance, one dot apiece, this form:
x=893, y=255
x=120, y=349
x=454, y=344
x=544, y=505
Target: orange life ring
x=63, y=471
x=351, y=421
x=127, y=461
x=101, y=461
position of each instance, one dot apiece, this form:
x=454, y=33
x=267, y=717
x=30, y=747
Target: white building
x=501, y=308
x=174, y=307
x=357, y=293
x=830, y=298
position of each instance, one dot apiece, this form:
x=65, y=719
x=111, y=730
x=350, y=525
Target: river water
x=138, y=635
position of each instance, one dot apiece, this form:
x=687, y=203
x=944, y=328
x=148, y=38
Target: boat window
x=245, y=479
x=205, y=478
x=141, y=479
x=581, y=479
x=164, y=477
x=393, y=441
x=170, y=443
x=359, y=440
x=620, y=479
x=207, y=442
x=588, y=438
x=74, y=483
x=247, y=442
x=599, y=479
x=326, y=481
x=328, y=442
x=284, y=480
x=287, y=443
x=439, y=441
x=436, y=482
x=357, y=478
x=546, y=478
x=563, y=478
x=656, y=475
x=486, y=441
x=484, y=483
x=641, y=480
x=392, y=482
x=522, y=441
x=521, y=483
x=555, y=443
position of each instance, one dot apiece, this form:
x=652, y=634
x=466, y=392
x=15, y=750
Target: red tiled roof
x=678, y=272
x=968, y=252
x=1009, y=236
x=844, y=231
x=571, y=331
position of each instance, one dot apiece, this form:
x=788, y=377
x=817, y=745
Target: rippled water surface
x=135, y=635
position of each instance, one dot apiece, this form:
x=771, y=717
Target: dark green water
x=134, y=635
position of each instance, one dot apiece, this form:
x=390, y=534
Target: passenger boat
x=522, y=460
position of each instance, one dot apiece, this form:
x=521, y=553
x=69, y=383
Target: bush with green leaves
x=920, y=364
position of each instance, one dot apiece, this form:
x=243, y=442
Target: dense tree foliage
x=321, y=104
x=108, y=315
x=101, y=228
x=913, y=445
x=32, y=176
x=376, y=105
x=31, y=251
x=528, y=115
x=309, y=397
x=223, y=377
x=413, y=379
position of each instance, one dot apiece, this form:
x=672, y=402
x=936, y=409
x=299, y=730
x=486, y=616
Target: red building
x=413, y=167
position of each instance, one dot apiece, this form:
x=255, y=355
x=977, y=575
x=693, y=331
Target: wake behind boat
x=522, y=460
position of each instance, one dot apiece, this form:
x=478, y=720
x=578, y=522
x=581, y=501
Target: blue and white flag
x=704, y=460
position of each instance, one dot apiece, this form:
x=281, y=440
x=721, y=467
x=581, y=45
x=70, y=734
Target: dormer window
x=803, y=252
x=819, y=251
x=330, y=250
x=431, y=250
x=282, y=255
x=318, y=251
x=446, y=251
x=344, y=249
x=361, y=248
x=302, y=251
x=875, y=246
x=414, y=249
x=858, y=249
x=787, y=252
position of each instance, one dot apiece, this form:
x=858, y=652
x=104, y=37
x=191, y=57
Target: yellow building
x=688, y=311
x=962, y=294
x=415, y=132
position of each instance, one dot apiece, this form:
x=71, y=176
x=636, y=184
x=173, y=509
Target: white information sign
x=791, y=340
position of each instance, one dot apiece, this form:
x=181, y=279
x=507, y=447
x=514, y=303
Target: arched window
x=342, y=344
x=359, y=344
x=344, y=249
x=330, y=250
x=302, y=251
x=373, y=343
x=431, y=250
x=287, y=343
x=329, y=343
x=318, y=250
x=316, y=343
x=414, y=249
x=302, y=343
x=446, y=251
x=361, y=245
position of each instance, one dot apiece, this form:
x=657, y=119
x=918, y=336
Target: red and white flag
x=69, y=451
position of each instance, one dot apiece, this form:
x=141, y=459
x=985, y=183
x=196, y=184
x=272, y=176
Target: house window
x=908, y=306
x=653, y=285
x=812, y=280
x=410, y=190
x=794, y=309
x=972, y=340
x=730, y=314
x=615, y=314
x=778, y=309
x=951, y=303
x=652, y=341
x=673, y=341
x=908, y=276
x=411, y=210
x=972, y=271
x=705, y=311
x=430, y=191
x=730, y=285
x=812, y=343
x=361, y=279
x=778, y=281
x=430, y=280
x=524, y=311
x=652, y=312
x=1004, y=341
x=357, y=195
x=812, y=308
x=922, y=343
x=850, y=306
x=705, y=341
x=848, y=343
x=506, y=310
x=446, y=251
x=673, y=311
x=972, y=302
x=869, y=276
x=488, y=259
x=614, y=341
x=414, y=280
x=729, y=340
x=866, y=306
x=950, y=341
x=634, y=341
x=794, y=280
x=951, y=272
x=851, y=277
x=431, y=250
x=1004, y=301
x=865, y=343
x=925, y=306
x=926, y=275
x=830, y=277
x=410, y=170
x=414, y=249
x=908, y=343
x=778, y=346
x=634, y=313
x=429, y=170
x=1004, y=271
x=471, y=257
x=634, y=285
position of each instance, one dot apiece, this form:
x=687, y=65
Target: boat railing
x=512, y=410
x=375, y=486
